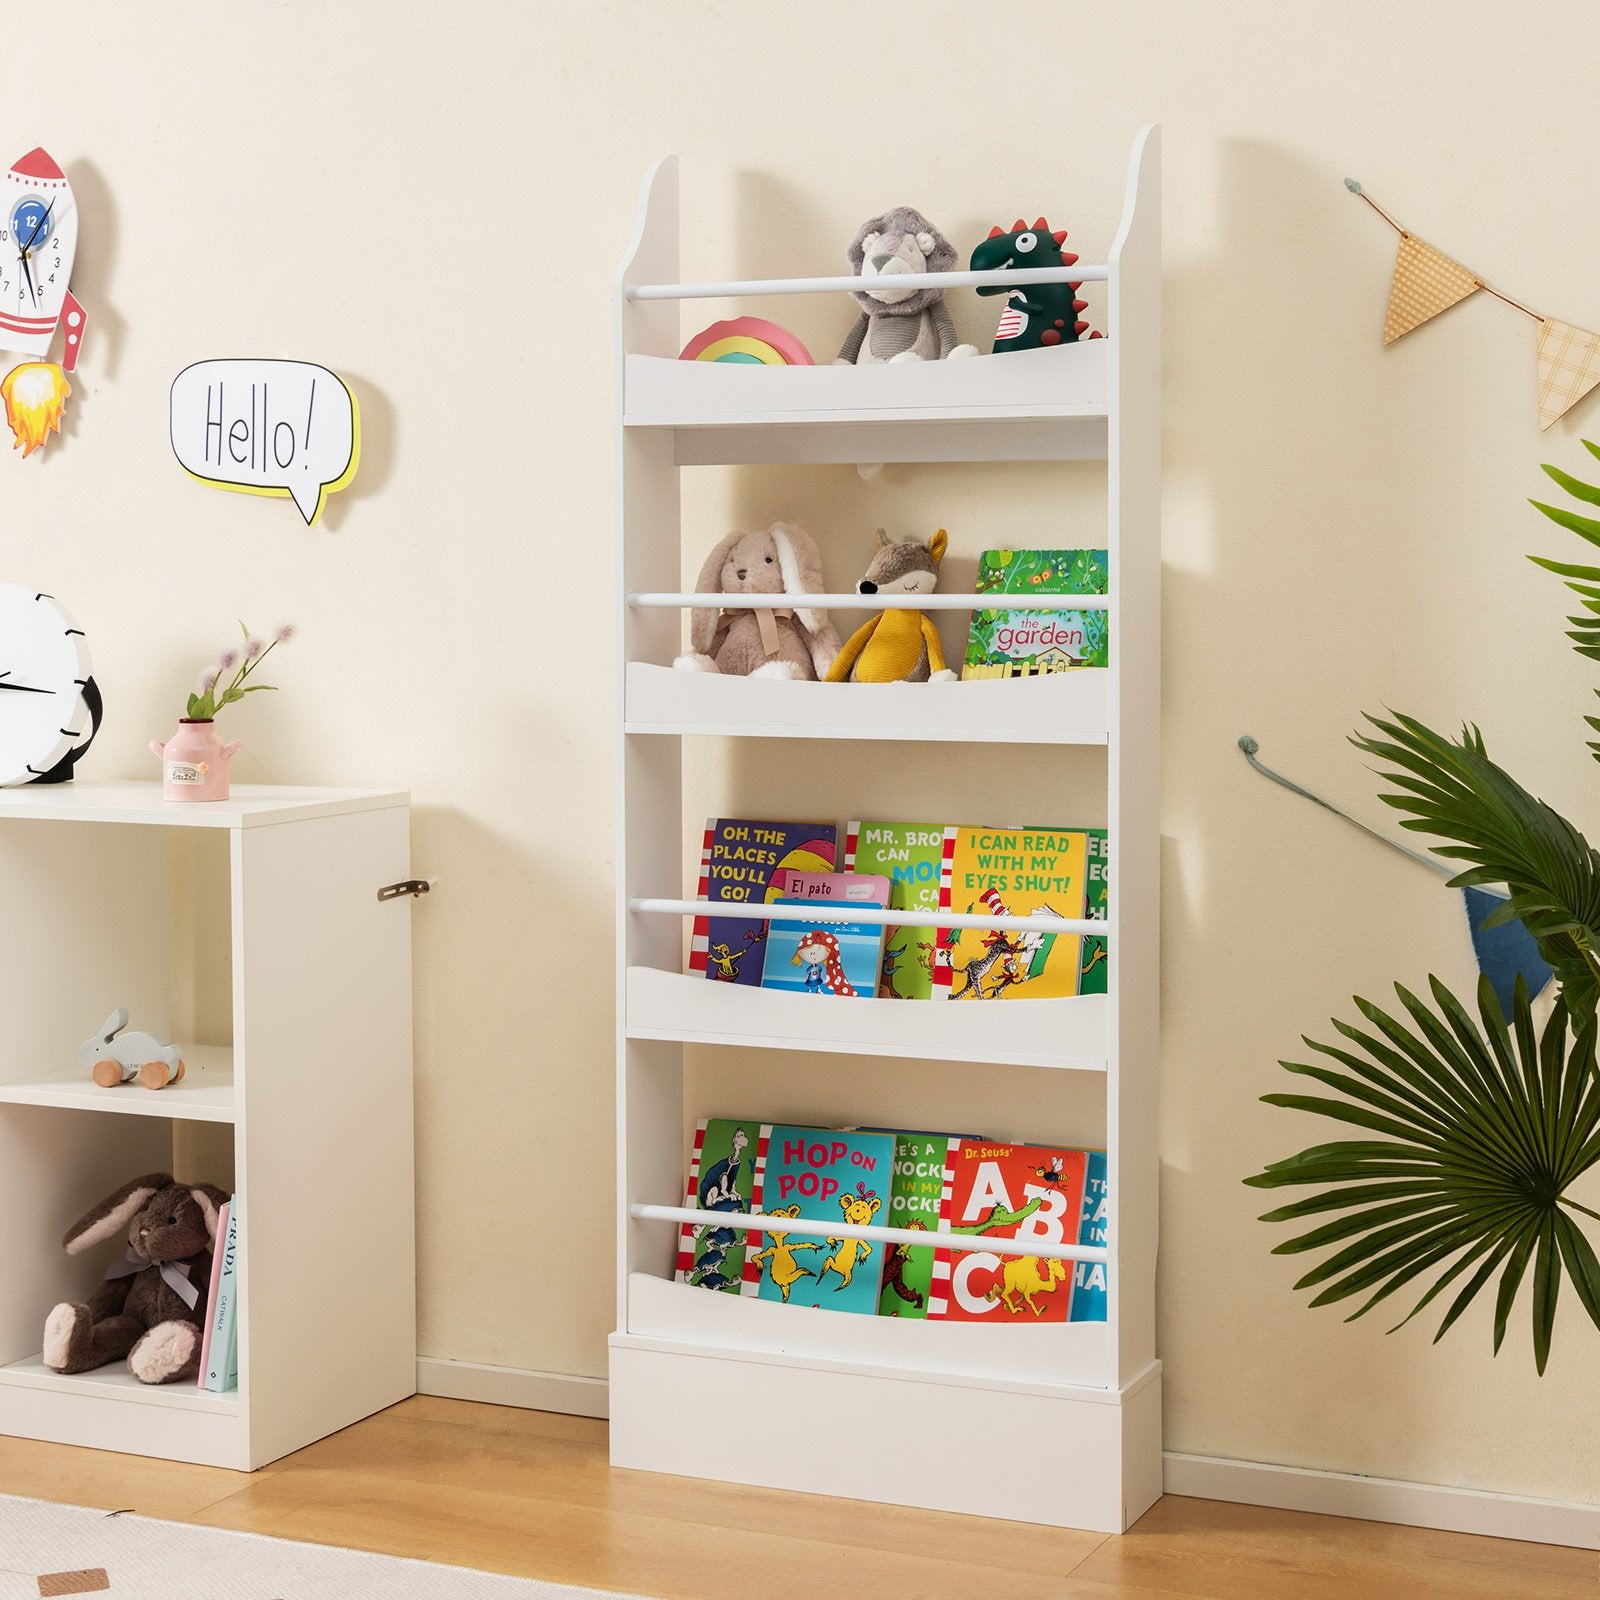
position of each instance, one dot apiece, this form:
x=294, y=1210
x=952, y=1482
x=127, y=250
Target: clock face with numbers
x=38, y=237
x=45, y=687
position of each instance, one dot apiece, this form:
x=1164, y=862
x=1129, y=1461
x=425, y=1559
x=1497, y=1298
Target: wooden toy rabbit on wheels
x=113, y=1057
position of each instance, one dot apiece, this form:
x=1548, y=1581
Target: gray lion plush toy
x=899, y=324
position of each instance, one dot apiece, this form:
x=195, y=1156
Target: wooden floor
x=529, y=1493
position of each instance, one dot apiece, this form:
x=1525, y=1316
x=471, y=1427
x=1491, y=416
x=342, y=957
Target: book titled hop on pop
x=823, y=1176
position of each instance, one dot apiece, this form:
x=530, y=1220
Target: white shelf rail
x=737, y=289
x=829, y=911
x=762, y=1222
x=879, y=602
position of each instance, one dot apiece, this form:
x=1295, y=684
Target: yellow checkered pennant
x=1426, y=282
x=1569, y=367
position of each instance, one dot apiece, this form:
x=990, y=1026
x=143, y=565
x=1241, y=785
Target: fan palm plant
x=1486, y=1123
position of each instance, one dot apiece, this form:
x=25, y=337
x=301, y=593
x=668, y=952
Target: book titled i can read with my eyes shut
x=1010, y=873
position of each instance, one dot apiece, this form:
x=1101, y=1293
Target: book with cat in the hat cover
x=1011, y=872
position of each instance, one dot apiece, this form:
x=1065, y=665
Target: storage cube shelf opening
x=910, y=1386
x=255, y=919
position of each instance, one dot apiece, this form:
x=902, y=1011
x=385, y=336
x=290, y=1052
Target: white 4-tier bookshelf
x=302, y=1093
x=693, y=1374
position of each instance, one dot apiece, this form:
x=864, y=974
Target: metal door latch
x=411, y=886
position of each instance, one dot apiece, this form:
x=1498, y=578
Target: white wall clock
x=49, y=705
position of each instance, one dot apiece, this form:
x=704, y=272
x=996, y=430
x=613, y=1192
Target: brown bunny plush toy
x=152, y=1306
x=794, y=641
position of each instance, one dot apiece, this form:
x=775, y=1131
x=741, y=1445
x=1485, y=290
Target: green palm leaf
x=1584, y=581
x=1486, y=1124
x=1451, y=789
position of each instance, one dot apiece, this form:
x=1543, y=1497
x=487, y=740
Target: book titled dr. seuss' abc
x=1007, y=643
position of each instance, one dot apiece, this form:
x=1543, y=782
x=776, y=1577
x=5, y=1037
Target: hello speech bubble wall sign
x=286, y=428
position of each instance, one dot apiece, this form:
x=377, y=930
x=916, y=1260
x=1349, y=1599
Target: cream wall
x=1343, y=529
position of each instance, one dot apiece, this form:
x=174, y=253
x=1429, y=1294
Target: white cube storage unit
x=304, y=1093
x=698, y=1379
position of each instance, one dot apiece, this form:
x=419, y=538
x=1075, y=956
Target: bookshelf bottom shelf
x=1047, y=1356
x=111, y=1410
x=811, y=1411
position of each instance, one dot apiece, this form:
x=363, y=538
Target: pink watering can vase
x=194, y=761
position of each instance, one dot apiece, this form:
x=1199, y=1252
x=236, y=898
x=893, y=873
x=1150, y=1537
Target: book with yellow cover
x=1011, y=872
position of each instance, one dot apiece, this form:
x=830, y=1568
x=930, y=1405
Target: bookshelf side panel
x=323, y=1041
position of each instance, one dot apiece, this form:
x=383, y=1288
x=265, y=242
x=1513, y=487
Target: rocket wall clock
x=38, y=240
x=49, y=704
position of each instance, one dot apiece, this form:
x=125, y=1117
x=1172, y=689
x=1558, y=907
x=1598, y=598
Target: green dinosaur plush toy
x=1037, y=315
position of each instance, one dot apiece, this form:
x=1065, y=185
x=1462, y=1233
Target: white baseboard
x=1413, y=1505
x=513, y=1386
x=1251, y=1483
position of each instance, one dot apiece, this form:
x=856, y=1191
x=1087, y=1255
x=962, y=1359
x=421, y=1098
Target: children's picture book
x=1011, y=872
x=1007, y=1191
x=739, y=859
x=212, y=1293
x=826, y=958
x=1089, y=1278
x=854, y=888
x=221, y=1370
x=1092, y=958
x=824, y=1176
x=1004, y=643
x=914, y=1200
x=910, y=855
x=726, y=1173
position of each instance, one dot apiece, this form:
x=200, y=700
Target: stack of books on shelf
x=902, y=866
x=219, y=1347
x=985, y=1188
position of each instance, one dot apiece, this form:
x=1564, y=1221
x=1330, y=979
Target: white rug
x=49, y=1550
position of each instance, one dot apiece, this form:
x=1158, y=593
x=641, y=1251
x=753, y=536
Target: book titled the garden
x=1007, y=643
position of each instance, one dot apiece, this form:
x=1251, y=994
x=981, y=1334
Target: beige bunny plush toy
x=765, y=642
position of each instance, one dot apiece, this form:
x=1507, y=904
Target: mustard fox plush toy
x=896, y=646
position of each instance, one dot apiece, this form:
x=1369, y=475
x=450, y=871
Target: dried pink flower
x=284, y=633
x=227, y=660
x=209, y=681
x=253, y=648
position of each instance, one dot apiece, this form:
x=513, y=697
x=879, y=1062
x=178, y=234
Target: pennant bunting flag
x=1569, y=367
x=1425, y=283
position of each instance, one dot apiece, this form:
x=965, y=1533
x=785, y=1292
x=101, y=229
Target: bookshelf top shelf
x=251, y=805
x=1022, y=406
